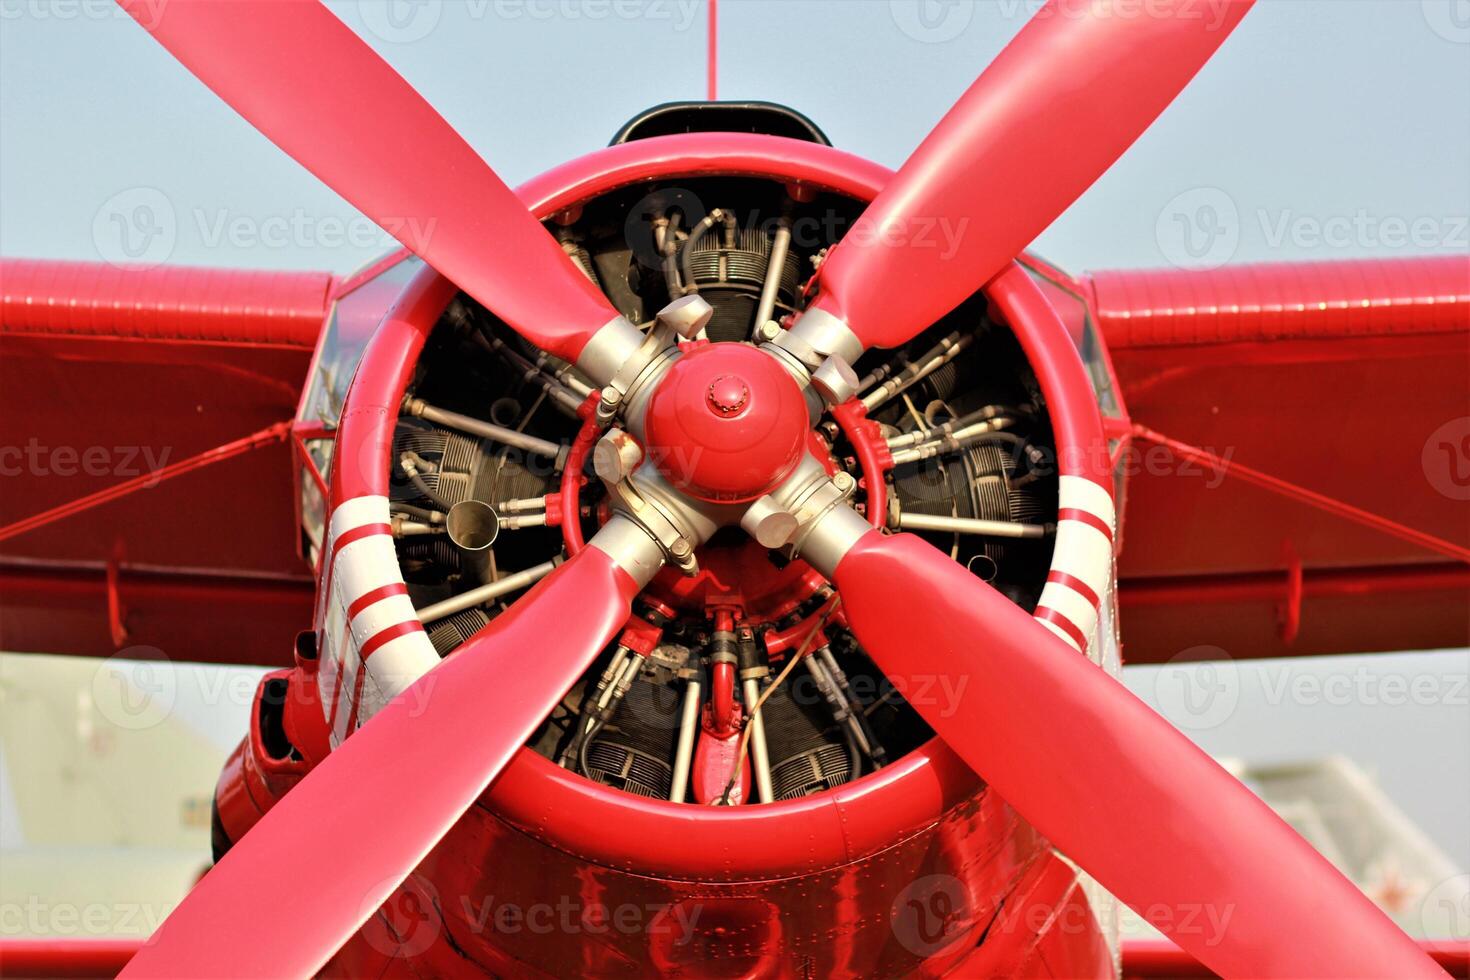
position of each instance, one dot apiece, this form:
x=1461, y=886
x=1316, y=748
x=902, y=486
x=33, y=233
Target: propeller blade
x=326, y=857
x=309, y=84
x=1112, y=784
x=1062, y=102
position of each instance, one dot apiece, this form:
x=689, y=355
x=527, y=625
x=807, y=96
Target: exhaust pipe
x=473, y=527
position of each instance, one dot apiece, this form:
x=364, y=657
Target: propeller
x=1109, y=782
x=1112, y=784
x=1064, y=100
x=324, y=858
x=315, y=89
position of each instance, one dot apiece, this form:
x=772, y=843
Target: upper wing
x=109, y=375
x=1347, y=380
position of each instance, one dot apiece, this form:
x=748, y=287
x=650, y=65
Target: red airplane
x=712, y=541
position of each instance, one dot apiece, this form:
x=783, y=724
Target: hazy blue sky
x=1322, y=130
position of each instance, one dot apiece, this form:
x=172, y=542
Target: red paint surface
x=48, y=957
x=1111, y=783
x=727, y=423
x=299, y=75
x=235, y=307
x=143, y=369
x=341, y=870
x=1334, y=377
x=993, y=159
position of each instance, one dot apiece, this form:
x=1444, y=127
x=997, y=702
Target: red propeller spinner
x=1110, y=783
x=727, y=424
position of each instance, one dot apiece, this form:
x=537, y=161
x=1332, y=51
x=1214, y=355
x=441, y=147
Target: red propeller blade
x=1112, y=784
x=301, y=77
x=305, y=878
x=1061, y=103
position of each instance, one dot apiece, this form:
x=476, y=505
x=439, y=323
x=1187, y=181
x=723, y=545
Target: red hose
x=872, y=453
x=722, y=698
x=571, y=476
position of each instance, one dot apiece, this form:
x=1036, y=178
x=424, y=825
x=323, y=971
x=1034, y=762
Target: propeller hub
x=728, y=395
x=726, y=424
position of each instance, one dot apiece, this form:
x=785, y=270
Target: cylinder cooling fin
x=959, y=409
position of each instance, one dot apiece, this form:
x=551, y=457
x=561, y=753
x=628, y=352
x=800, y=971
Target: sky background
x=1322, y=130
x=1319, y=130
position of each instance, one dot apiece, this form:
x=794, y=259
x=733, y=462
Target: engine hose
x=722, y=697
x=408, y=466
x=854, y=755
x=423, y=513
x=671, y=260
x=571, y=476
x=686, y=254
x=852, y=418
x=829, y=610
x=587, y=738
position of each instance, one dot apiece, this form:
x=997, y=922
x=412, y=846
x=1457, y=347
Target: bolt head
x=615, y=456
x=835, y=380
x=687, y=316
x=769, y=523
x=768, y=331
